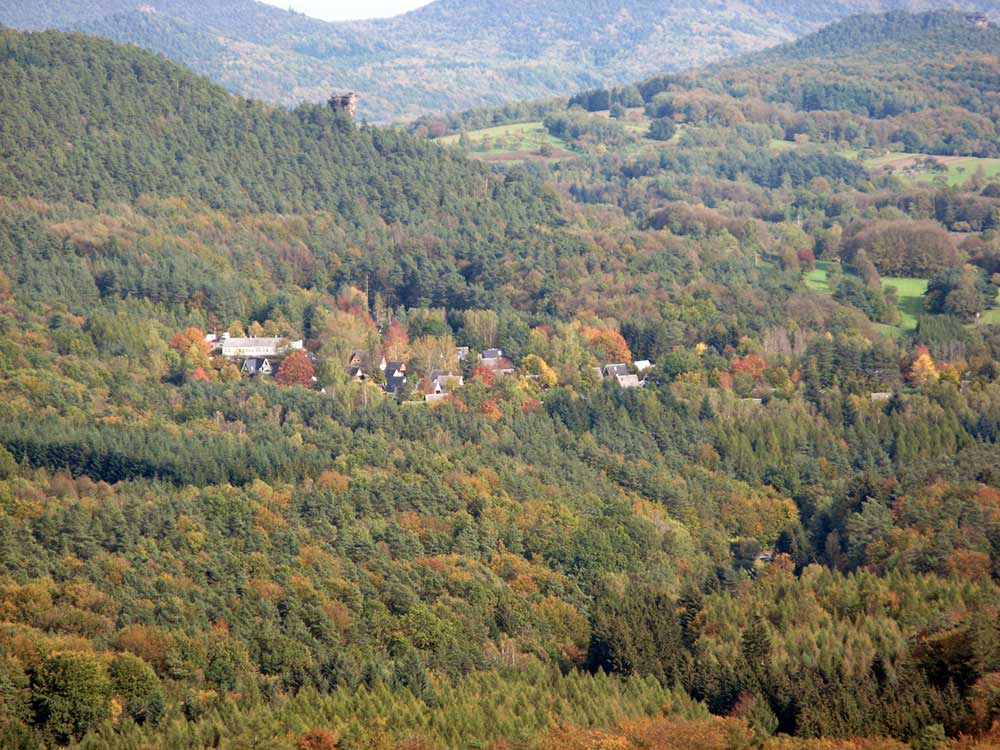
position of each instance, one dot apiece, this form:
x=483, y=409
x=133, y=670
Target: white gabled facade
x=257, y=347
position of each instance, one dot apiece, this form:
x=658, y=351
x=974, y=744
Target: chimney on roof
x=345, y=103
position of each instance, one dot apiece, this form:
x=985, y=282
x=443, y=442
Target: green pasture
x=926, y=169
x=909, y=298
x=521, y=141
x=517, y=141
x=909, y=294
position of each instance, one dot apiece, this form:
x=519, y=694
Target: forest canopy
x=316, y=435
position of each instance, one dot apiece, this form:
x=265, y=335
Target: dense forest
x=786, y=536
x=449, y=53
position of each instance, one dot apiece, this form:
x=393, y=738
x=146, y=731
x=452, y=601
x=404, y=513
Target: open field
x=818, y=278
x=956, y=170
x=523, y=141
x=777, y=144
x=925, y=168
x=910, y=294
x=910, y=298
x=512, y=142
x=992, y=316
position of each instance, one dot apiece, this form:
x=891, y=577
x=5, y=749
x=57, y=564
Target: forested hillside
x=686, y=434
x=451, y=53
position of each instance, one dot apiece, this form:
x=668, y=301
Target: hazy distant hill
x=452, y=53
x=911, y=36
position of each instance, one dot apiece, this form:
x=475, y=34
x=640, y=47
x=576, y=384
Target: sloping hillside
x=89, y=120
x=792, y=522
x=452, y=53
x=911, y=35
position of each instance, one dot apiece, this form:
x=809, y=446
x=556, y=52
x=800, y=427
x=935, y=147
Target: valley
x=658, y=411
x=450, y=54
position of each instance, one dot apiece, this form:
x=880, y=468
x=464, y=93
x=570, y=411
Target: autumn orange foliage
x=296, y=369
x=190, y=337
x=607, y=344
x=483, y=374
x=396, y=341
x=752, y=364
x=318, y=739
x=712, y=733
x=649, y=733
x=491, y=410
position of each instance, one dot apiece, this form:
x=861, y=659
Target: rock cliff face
x=345, y=102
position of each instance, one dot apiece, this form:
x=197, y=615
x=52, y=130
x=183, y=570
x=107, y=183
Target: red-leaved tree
x=296, y=369
x=483, y=374
x=752, y=364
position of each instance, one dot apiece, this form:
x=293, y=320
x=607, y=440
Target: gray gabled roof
x=255, y=365
x=394, y=384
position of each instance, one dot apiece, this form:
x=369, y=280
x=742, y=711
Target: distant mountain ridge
x=858, y=34
x=450, y=54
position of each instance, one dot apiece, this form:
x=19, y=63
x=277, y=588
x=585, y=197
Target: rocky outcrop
x=344, y=103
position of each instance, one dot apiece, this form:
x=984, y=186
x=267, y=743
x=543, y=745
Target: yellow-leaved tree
x=923, y=370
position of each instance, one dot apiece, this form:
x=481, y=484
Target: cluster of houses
x=259, y=356
x=437, y=384
x=256, y=355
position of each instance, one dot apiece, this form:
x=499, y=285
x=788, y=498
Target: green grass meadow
x=914, y=168
x=909, y=295
x=523, y=141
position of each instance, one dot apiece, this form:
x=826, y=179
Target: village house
x=360, y=365
x=445, y=381
x=237, y=347
x=363, y=360
x=395, y=377
x=254, y=366
x=629, y=381
x=619, y=371
x=615, y=370
x=493, y=360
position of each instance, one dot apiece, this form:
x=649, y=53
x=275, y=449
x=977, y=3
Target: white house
x=258, y=347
